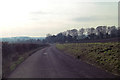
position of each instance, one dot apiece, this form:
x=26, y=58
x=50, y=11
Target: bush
x=12, y=54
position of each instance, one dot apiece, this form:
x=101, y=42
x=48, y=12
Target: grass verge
x=102, y=55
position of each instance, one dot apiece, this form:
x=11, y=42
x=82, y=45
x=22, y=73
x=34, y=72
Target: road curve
x=51, y=63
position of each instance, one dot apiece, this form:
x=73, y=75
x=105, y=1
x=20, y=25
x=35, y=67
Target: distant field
x=103, y=55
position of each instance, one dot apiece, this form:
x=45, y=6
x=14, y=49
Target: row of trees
x=74, y=35
x=29, y=41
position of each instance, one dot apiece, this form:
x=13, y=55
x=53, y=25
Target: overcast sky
x=39, y=17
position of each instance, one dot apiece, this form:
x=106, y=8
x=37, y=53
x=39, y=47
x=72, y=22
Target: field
x=15, y=53
x=103, y=55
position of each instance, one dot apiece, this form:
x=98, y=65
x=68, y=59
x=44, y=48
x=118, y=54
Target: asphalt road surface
x=52, y=63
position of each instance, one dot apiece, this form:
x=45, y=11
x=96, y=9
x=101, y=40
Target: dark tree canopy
x=74, y=35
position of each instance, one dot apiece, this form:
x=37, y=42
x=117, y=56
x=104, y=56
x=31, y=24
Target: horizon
x=48, y=33
x=24, y=36
x=45, y=17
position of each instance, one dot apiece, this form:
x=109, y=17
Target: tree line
x=74, y=35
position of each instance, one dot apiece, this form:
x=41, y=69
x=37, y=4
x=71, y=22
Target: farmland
x=103, y=55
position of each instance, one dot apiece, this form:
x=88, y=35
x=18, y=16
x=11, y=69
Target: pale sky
x=39, y=17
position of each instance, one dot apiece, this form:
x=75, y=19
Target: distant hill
x=19, y=39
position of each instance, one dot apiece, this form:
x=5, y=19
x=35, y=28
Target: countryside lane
x=52, y=63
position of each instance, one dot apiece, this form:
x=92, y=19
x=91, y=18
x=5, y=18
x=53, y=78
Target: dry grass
x=103, y=55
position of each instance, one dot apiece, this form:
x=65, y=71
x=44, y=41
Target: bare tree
x=81, y=31
x=48, y=35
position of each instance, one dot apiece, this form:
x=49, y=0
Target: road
x=52, y=63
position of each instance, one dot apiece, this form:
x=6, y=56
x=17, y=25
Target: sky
x=36, y=18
